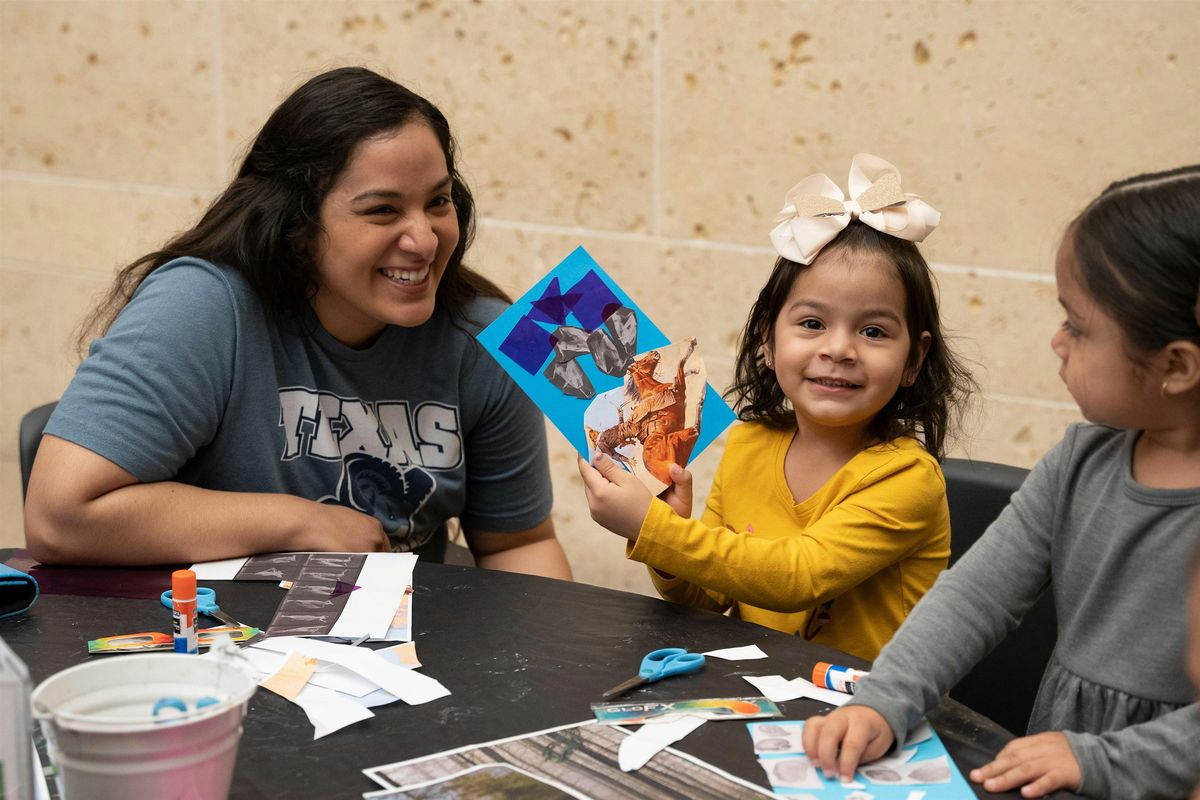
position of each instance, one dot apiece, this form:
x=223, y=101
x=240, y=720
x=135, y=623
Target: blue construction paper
x=956, y=789
x=521, y=340
x=528, y=345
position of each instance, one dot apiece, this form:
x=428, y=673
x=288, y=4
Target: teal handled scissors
x=206, y=603
x=658, y=665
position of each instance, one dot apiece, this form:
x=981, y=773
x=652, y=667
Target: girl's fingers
x=853, y=746
x=827, y=746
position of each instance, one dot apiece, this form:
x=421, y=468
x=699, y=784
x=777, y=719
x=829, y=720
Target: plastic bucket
x=107, y=743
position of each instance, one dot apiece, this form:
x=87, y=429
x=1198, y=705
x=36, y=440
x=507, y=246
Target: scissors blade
x=233, y=623
x=622, y=688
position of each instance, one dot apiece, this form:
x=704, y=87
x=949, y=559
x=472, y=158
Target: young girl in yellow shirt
x=827, y=516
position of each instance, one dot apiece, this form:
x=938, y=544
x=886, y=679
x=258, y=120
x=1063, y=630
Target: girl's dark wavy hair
x=1136, y=249
x=924, y=410
x=265, y=222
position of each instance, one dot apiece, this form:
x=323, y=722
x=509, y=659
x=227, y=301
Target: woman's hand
x=617, y=499
x=338, y=529
x=838, y=742
x=1038, y=764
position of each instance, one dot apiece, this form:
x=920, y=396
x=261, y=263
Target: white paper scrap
x=779, y=689
x=747, y=653
x=328, y=710
x=369, y=609
x=218, y=570
x=639, y=747
x=410, y=686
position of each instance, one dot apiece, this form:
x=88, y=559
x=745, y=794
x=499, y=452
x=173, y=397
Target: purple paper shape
x=341, y=587
x=553, y=306
x=528, y=344
x=595, y=298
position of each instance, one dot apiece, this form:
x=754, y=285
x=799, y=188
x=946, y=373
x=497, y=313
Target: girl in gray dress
x=1106, y=521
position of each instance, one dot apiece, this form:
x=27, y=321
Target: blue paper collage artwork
x=578, y=294
x=802, y=780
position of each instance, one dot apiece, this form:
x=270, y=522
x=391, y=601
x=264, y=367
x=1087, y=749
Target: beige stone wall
x=660, y=134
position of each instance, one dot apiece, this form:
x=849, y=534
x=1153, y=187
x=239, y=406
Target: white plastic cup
x=108, y=745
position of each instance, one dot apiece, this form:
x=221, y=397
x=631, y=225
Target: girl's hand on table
x=1039, y=764
x=617, y=499
x=838, y=742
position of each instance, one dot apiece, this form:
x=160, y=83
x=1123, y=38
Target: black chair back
x=32, y=425
x=1004, y=684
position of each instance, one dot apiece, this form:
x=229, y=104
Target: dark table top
x=518, y=653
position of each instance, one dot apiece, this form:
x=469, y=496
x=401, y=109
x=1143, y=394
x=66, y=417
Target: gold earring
x=1162, y=391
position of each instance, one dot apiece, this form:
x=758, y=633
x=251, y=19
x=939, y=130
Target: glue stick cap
x=183, y=584
x=819, y=672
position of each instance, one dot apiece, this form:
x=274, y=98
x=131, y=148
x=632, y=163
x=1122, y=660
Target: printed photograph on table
x=486, y=781
x=579, y=760
x=605, y=375
x=921, y=770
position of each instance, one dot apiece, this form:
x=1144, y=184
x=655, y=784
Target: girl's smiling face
x=840, y=345
x=388, y=230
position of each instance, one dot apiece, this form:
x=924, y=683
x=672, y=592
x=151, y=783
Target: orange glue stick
x=183, y=610
x=838, y=678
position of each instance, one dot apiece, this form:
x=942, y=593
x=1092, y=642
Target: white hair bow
x=815, y=210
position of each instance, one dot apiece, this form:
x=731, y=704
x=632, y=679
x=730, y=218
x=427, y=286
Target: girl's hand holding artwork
x=679, y=494
x=617, y=499
x=851, y=735
x=1038, y=764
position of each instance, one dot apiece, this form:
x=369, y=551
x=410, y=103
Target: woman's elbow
x=46, y=536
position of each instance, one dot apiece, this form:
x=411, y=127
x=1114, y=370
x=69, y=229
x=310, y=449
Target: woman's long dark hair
x=923, y=410
x=265, y=222
x=1137, y=251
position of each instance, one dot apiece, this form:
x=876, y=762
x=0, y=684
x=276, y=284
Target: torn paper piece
x=291, y=677
x=382, y=582
x=401, y=628
x=652, y=737
x=926, y=771
x=791, y=772
x=747, y=653
x=328, y=710
x=410, y=686
x=915, y=795
x=329, y=675
x=402, y=655
x=777, y=737
x=777, y=688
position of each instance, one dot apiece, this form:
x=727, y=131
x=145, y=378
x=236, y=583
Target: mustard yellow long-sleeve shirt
x=842, y=568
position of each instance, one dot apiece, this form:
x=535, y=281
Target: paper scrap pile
x=338, y=684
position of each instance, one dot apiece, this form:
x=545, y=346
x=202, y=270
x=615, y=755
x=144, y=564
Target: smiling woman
x=298, y=371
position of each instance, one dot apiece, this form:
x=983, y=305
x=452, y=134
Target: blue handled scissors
x=206, y=603
x=657, y=665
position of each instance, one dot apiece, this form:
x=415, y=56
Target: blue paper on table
x=604, y=374
x=17, y=591
x=925, y=766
